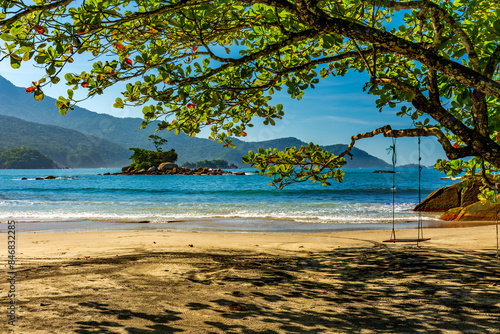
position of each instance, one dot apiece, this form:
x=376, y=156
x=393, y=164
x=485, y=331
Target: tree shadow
x=160, y=321
x=356, y=290
x=381, y=290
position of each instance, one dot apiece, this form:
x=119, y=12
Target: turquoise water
x=245, y=203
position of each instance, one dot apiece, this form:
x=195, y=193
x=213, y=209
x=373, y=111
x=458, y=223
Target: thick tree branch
x=387, y=131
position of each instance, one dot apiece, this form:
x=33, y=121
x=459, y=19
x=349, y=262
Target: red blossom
x=85, y=84
x=39, y=29
x=455, y=145
x=128, y=61
x=190, y=105
x=195, y=48
x=119, y=46
x=243, y=133
x=30, y=89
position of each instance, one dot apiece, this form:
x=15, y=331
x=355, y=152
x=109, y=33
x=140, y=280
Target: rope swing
x=420, y=229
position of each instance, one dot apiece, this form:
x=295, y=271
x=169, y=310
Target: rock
x=483, y=211
x=50, y=177
x=107, y=173
x=126, y=169
x=450, y=197
x=239, y=173
x=39, y=178
x=164, y=166
x=141, y=171
x=152, y=169
x=24, y=178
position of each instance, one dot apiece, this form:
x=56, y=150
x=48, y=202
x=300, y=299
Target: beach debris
x=154, y=242
x=87, y=257
x=237, y=308
x=256, y=245
x=44, y=304
x=310, y=253
x=301, y=246
x=190, y=245
x=324, y=291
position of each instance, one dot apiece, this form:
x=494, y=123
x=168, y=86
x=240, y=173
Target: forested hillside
x=125, y=133
x=67, y=147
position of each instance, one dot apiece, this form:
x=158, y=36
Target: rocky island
x=169, y=168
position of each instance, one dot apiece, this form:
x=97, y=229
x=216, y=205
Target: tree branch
x=387, y=131
x=32, y=9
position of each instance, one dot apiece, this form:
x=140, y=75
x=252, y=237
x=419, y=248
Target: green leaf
x=496, y=25
x=118, y=103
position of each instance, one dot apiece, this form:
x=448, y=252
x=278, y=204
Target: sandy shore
x=186, y=282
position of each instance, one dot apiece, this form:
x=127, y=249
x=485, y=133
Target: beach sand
x=187, y=282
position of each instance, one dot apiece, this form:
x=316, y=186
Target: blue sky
x=329, y=114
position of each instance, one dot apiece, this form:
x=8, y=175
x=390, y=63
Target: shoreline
x=224, y=225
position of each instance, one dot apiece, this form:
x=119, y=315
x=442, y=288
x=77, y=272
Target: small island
x=159, y=162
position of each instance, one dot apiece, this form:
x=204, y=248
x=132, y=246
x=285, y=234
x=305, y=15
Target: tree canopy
x=217, y=64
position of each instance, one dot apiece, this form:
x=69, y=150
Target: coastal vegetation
x=439, y=66
x=144, y=159
x=25, y=158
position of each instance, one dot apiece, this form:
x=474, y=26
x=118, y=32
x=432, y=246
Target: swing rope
x=496, y=217
x=394, y=161
x=420, y=228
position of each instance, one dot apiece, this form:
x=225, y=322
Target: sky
x=329, y=114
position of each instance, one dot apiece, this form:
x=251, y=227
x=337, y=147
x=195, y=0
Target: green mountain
x=25, y=158
x=125, y=133
x=69, y=148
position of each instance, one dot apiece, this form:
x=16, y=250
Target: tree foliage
x=158, y=142
x=217, y=64
x=144, y=159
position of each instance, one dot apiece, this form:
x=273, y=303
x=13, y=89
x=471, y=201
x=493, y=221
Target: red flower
x=85, y=84
x=119, y=46
x=243, y=133
x=128, y=61
x=455, y=145
x=71, y=49
x=195, y=48
x=30, y=89
x=233, y=96
x=39, y=29
x=190, y=105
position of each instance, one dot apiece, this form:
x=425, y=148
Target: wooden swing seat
x=407, y=240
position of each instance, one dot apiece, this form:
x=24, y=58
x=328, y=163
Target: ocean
x=86, y=200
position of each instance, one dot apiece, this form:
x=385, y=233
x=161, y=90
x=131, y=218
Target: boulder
x=164, y=166
x=482, y=211
x=24, y=178
x=450, y=197
x=152, y=169
x=50, y=177
x=125, y=169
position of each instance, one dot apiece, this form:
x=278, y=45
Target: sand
x=186, y=282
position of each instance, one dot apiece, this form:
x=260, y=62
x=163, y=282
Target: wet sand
x=188, y=282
